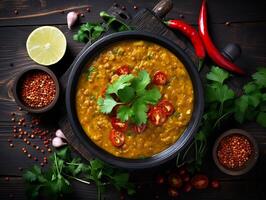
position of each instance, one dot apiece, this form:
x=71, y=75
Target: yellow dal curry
x=137, y=55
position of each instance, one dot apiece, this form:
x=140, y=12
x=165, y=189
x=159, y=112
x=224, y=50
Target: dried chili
x=191, y=33
x=211, y=49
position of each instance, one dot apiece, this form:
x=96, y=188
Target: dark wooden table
x=247, y=27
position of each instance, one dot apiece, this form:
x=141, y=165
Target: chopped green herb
x=89, y=32
x=133, y=96
x=55, y=182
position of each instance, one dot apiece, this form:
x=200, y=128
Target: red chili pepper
x=191, y=33
x=211, y=49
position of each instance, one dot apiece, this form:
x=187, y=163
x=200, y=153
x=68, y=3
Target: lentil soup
x=164, y=124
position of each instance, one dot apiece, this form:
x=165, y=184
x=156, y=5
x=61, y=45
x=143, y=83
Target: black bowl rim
x=250, y=164
x=16, y=87
x=168, y=153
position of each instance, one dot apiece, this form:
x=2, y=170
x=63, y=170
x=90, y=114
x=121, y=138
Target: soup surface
x=159, y=132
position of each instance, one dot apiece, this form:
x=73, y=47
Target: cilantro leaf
x=217, y=75
x=261, y=119
x=33, y=174
x=219, y=93
x=122, y=82
x=260, y=77
x=124, y=113
x=140, y=112
x=250, y=88
x=126, y=94
x=140, y=83
x=107, y=104
x=241, y=106
x=89, y=32
x=151, y=96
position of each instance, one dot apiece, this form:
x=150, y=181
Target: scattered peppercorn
x=234, y=151
x=37, y=89
x=135, y=7
x=11, y=145
x=227, y=23
x=7, y=178
x=88, y=9
x=15, y=12
x=123, y=8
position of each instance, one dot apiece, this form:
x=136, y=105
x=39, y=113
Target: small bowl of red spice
x=36, y=89
x=235, y=152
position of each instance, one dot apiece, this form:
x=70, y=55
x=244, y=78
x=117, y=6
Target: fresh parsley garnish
x=133, y=97
x=89, y=32
x=55, y=182
x=221, y=103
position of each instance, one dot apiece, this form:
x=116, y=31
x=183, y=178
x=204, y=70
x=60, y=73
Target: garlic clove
x=59, y=133
x=72, y=17
x=58, y=142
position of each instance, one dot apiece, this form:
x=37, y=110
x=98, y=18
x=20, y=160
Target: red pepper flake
x=135, y=7
x=37, y=89
x=42, y=164
x=29, y=155
x=11, y=145
x=49, y=150
x=88, y=9
x=42, y=150
x=9, y=140
x=13, y=119
x=234, y=151
x=35, y=159
x=16, y=12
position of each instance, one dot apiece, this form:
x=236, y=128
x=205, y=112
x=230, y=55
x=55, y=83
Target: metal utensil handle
x=162, y=8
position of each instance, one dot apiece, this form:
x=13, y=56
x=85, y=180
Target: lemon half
x=46, y=45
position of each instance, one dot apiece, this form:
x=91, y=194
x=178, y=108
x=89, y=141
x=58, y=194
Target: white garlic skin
x=59, y=133
x=58, y=142
x=72, y=17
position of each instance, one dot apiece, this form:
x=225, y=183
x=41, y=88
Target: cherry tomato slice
x=118, y=124
x=167, y=107
x=157, y=116
x=117, y=138
x=139, y=128
x=123, y=70
x=159, y=78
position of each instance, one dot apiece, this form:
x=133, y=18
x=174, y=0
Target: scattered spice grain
x=234, y=151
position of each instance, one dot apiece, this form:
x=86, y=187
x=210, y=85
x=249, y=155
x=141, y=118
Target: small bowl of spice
x=235, y=152
x=36, y=89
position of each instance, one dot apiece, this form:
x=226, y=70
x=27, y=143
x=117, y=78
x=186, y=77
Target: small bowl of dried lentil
x=36, y=89
x=235, y=152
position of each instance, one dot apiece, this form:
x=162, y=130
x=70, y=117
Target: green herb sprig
x=55, y=182
x=133, y=96
x=221, y=103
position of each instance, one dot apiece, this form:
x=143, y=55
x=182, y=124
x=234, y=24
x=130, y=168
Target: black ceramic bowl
x=17, y=84
x=161, y=157
x=250, y=163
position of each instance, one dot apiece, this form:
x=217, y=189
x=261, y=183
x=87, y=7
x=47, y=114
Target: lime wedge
x=46, y=45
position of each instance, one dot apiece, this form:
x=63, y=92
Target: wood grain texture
x=248, y=28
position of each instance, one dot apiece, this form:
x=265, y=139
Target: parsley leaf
x=107, y=104
x=217, y=75
x=140, y=83
x=219, y=93
x=126, y=94
x=54, y=182
x=260, y=77
x=134, y=96
x=89, y=32
x=140, y=112
x=122, y=82
x=124, y=113
x=261, y=119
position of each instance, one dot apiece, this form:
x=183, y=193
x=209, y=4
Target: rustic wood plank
x=49, y=12
x=15, y=189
